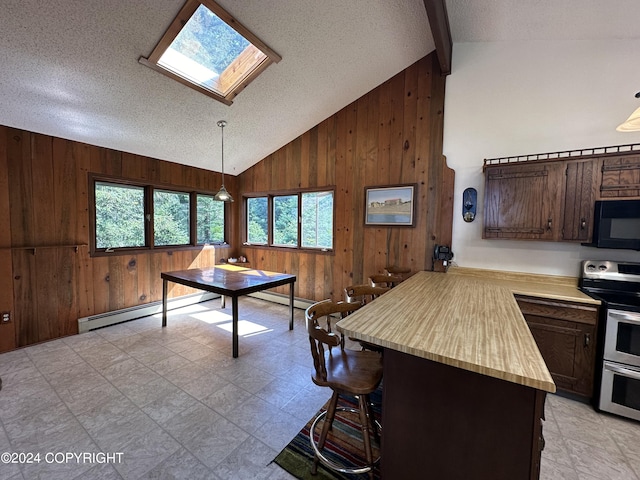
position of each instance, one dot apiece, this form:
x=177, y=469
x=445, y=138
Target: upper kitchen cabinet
x=579, y=197
x=551, y=196
x=620, y=177
x=522, y=201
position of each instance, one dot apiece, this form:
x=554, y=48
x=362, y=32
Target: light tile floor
x=177, y=406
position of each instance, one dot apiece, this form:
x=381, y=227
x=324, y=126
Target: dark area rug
x=344, y=444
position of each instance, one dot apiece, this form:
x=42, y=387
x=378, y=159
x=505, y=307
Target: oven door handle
x=622, y=371
x=630, y=318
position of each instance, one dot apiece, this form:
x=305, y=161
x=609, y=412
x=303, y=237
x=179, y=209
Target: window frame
x=181, y=19
x=149, y=188
x=283, y=193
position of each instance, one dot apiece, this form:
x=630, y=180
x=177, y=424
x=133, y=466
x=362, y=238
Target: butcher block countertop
x=456, y=320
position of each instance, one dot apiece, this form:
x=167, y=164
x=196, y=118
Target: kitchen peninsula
x=464, y=382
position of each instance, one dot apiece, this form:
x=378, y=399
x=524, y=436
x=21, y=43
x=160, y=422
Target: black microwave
x=616, y=224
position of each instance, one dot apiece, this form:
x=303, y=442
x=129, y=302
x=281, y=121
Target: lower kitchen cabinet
x=565, y=333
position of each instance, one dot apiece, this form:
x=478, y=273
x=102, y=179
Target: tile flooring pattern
x=177, y=406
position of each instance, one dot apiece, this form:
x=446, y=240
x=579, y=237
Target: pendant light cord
x=222, y=124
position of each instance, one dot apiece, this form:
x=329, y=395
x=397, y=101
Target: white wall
x=505, y=99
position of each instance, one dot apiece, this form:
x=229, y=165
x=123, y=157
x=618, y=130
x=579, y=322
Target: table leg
x=291, y=306
x=223, y=303
x=234, y=313
x=164, y=303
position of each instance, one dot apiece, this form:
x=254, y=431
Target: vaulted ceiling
x=70, y=67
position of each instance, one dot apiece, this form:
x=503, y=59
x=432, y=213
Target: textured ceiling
x=70, y=69
x=516, y=20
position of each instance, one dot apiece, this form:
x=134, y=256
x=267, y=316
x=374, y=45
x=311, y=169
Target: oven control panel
x=606, y=270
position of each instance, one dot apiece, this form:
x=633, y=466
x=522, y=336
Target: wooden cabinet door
x=579, y=201
x=523, y=201
x=620, y=177
x=567, y=350
x=565, y=333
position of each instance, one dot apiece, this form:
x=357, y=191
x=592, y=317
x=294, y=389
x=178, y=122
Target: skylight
x=207, y=49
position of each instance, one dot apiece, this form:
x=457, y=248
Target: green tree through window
x=210, y=222
x=316, y=220
x=171, y=218
x=257, y=220
x=285, y=220
x=119, y=215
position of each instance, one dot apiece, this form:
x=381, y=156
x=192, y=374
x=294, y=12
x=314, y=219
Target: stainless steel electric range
x=617, y=285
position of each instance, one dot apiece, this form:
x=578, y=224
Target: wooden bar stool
x=395, y=270
x=385, y=280
x=363, y=293
x=349, y=372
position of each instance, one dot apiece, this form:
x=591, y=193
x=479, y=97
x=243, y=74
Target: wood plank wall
x=44, y=204
x=391, y=135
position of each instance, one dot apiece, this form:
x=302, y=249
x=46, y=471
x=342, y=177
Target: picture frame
x=390, y=205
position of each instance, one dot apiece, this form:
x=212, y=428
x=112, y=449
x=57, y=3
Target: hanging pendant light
x=632, y=124
x=222, y=194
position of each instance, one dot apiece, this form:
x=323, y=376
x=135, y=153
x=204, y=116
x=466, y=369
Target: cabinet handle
x=549, y=222
x=587, y=339
x=583, y=223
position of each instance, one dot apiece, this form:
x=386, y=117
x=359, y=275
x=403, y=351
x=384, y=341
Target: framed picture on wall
x=390, y=206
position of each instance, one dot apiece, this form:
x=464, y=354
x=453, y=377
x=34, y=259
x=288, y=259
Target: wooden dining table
x=229, y=281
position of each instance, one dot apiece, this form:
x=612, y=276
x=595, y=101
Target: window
x=285, y=220
x=317, y=220
x=207, y=49
x=210, y=220
x=170, y=218
x=129, y=216
x=291, y=219
x=119, y=215
x=257, y=221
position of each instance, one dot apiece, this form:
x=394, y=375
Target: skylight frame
x=176, y=27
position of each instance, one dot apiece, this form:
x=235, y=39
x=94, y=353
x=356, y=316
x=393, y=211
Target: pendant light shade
x=632, y=123
x=222, y=194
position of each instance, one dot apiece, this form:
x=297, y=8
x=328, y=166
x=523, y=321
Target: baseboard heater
x=86, y=324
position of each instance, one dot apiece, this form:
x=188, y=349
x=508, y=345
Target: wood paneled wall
x=44, y=204
x=391, y=135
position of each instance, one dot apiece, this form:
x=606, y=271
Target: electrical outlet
x=5, y=317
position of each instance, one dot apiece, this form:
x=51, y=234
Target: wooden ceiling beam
x=439, y=23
